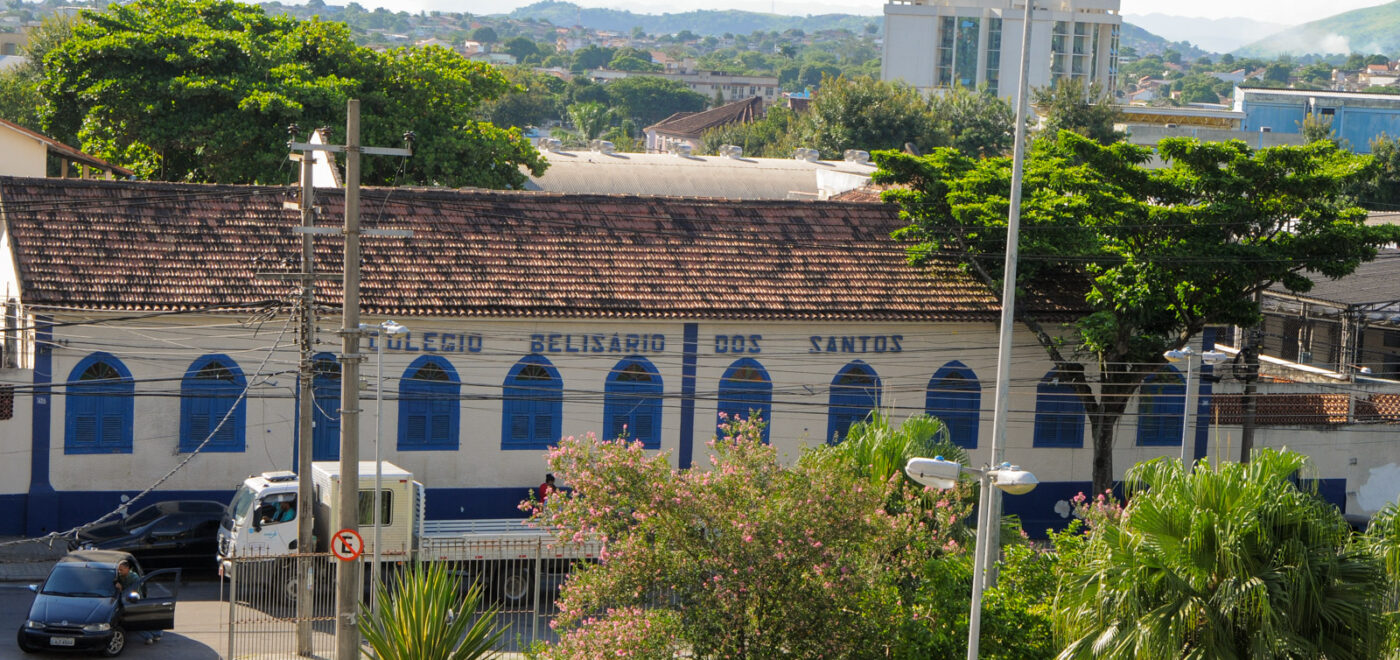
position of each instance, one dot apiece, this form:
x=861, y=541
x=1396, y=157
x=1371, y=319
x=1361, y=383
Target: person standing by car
x=127, y=576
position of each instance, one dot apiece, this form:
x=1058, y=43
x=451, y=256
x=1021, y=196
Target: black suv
x=181, y=533
x=78, y=606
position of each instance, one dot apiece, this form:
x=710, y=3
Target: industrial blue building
x=1356, y=118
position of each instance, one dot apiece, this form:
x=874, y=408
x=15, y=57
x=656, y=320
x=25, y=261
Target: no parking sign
x=347, y=545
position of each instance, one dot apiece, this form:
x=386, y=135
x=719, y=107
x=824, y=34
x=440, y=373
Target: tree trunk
x=1103, y=423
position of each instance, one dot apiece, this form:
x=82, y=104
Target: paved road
x=200, y=632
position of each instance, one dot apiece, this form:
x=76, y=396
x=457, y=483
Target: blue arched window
x=745, y=390
x=1059, y=415
x=210, y=390
x=632, y=402
x=99, y=407
x=955, y=396
x=430, y=406
x=855, y=393
x=532, y=412
x=1161, y=408
x=325, y=420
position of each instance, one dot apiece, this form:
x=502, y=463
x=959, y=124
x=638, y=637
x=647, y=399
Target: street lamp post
x=381, y=331
x=938, y=473
x=1192, y=360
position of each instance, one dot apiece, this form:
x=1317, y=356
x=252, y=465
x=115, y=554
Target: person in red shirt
x=547, y=488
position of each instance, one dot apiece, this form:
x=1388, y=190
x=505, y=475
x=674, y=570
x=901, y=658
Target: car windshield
x=142, y=517
x=80, y=580
x=242, y=502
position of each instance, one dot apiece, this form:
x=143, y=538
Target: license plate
x=60, y=641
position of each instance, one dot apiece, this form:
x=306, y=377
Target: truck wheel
x=116, y=644
x=515, y=586
x=286, y=581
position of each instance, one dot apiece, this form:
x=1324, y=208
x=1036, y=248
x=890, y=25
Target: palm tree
x=1231, y=561
x=590, y=119
x=876, y=449
x=425, y=616
x=1383, y=539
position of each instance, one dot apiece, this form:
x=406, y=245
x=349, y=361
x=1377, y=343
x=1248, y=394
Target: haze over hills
x=1369, y=30
x=1219, y=35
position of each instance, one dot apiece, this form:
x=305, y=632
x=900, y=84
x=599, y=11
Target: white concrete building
x=934, y=44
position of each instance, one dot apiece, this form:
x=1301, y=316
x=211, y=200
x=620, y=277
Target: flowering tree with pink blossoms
x=745, y=557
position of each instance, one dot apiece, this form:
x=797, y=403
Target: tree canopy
x=1156, y=254
x=649, y=99
x=203, y=90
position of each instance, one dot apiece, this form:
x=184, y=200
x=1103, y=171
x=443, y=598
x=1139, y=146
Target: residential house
x=688, y=128
x=29, y=153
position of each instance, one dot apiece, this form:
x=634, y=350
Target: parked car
x=178, y=533
x=79, y=607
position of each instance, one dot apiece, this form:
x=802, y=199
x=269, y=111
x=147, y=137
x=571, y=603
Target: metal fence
x=520, y=578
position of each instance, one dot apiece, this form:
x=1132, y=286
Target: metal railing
x=521, y=578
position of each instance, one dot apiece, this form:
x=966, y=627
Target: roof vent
x=803, y=153
x=857, y=156
x=281, y=476
x=681, y=149
x=731, y=151
x=601, y=146
x=549, y=144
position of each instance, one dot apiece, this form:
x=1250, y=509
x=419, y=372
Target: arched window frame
x=430, y=411
x=955, y=396
x=532, y=411
x=740, y=398
x=1161, y=408
x=1059, y=415
x=204, y=402
x=847, y=403
x=636, y=404
x=325, y=416
x=98, y=414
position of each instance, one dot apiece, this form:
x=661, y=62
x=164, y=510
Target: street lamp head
x=1013, y=480
x=1215, y=357
x=934, y=472
x=1177, y=355
x=393, y=329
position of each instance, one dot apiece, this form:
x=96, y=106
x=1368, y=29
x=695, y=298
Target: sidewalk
x=28, y=562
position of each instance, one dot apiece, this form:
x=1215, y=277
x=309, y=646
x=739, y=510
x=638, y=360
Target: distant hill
x=703, y=23
x=1146, y=43
x=1369, y=30
x=1220, y=35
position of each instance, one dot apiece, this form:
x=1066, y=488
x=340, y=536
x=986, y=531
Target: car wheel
x=515, y=586
x=116, y=644
x=19, y=639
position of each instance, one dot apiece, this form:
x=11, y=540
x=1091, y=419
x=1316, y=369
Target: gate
x=267, y=615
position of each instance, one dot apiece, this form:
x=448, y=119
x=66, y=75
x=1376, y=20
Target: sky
x=1275, y=11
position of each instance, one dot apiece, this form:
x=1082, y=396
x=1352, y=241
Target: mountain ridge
x=1367, y=30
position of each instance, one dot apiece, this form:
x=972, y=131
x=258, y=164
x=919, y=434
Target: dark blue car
x=78, y=606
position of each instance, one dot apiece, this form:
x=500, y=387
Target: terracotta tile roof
x=155, y=246
x=694, y=124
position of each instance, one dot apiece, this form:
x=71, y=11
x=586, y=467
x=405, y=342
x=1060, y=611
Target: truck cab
x=256, y=522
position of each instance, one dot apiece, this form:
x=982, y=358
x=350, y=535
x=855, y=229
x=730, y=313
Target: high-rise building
x=934, y=44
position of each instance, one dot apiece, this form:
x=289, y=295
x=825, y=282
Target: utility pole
x=1250, y=399
x=347, y=583
x=306, y=397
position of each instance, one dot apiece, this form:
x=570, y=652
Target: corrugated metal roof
x=686, y=176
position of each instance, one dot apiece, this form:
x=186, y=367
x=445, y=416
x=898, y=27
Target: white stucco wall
x=24, y=156
x=15, y=433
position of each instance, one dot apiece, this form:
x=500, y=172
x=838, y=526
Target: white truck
x=508, y=556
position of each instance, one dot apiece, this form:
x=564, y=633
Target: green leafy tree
x=485, y=35
x=1381, y=190
x=21, y=99
x=977, y=122
x=769, y=137
x=426, y=616
x=1314, y=128
x=630, y=63
x=649, y=99
x=591, y=56
x=1278, y=72
x=743, y=560
x=868, y=114
x=1229, y=561
x=520, y=48
x=1383, y=541
x=204, y=90
x=1070, y=106
x=1156, y=253
x=590, y=119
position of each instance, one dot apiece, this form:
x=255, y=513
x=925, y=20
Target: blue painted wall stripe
x=40, y=516
x=690, y=348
